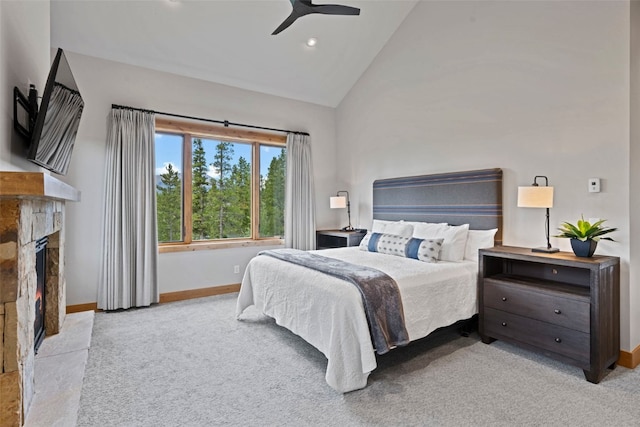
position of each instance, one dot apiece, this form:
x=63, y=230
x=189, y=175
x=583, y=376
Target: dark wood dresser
x=562, y=306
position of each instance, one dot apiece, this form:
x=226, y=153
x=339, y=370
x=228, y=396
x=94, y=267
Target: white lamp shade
x=535, y=197
x=338, y=202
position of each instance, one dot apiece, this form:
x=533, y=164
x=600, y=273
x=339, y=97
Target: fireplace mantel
x=32, y=206
x=36, y=185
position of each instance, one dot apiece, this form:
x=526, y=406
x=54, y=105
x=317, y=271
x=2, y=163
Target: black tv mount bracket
x=25, y=122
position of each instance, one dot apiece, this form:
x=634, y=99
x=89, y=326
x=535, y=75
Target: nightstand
x=560, y=305
x=326, y=239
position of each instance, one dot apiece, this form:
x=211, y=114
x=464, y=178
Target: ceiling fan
x=305, y=7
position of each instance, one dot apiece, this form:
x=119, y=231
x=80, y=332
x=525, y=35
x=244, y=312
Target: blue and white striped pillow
x=426, y=250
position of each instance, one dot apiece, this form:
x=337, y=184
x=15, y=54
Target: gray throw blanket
x=380, y=294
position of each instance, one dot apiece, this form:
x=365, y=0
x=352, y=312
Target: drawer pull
x=504, y=298
x=554, y=271
x=504, y=323
x=557, y=311
x=558, y=340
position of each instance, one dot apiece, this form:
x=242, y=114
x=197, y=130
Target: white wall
x=532, y=87
x=24, y=59
x=103, y=83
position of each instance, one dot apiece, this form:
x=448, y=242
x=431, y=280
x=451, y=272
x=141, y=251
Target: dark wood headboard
x=471, y=197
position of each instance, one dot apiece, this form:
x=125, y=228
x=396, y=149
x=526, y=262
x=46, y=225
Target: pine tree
x=219, y=195
x=272, y=197
x=169, y=206
x=238, y=223
x=200, y=189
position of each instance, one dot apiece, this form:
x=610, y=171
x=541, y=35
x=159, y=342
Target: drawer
x=557, y=309
x=557, y=339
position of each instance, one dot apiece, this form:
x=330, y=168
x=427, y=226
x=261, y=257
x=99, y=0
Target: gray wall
x=535, y=88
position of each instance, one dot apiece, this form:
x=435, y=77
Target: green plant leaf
x=583, y=230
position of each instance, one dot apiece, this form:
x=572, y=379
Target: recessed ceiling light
x=312, y=42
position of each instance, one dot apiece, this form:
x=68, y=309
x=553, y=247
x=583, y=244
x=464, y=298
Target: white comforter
x=328, y=312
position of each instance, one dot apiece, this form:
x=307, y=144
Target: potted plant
x=584, y=235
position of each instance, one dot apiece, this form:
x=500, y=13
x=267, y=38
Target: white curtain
x=300, y=210
x=129, y=275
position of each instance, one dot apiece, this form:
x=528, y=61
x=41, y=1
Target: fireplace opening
x=41, y=263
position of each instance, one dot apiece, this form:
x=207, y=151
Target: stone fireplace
x=31, y=207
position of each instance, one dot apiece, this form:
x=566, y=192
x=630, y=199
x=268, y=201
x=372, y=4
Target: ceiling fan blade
x=335, y=9
x=306, y=7
x=286, y=23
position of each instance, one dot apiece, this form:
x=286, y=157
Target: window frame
x=190, y=130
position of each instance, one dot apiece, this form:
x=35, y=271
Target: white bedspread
x=328, y=313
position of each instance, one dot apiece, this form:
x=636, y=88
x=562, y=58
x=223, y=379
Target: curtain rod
x=226, y=123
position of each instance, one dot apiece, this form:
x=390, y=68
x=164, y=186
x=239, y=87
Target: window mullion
x=188, y=181
x=255, y=191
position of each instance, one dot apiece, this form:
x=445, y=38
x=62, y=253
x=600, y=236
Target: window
x=218, y=185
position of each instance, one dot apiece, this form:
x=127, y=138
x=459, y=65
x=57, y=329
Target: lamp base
x=546, y=250
x=348, y=228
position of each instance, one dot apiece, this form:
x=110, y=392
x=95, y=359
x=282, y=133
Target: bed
x=329, y=313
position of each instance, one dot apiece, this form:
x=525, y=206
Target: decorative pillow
x=364, y=243
x=426, y=250
x=478, y=239
x=389, y=244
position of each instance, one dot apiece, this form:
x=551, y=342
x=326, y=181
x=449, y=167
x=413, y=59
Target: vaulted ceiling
x=230, y=42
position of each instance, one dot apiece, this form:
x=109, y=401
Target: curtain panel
x=129, y=275
x=300, y=212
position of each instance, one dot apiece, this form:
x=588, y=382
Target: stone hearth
x=31, y=207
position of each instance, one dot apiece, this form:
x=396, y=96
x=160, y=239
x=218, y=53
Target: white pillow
x=379, y=225
x=399, y=228
x=418, y=224
x=478, y=239
x=427, y=230
x=455, y=238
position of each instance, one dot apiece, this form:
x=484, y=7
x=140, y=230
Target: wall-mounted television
x=56, y=124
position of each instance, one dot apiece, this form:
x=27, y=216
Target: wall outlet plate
x=594, y=185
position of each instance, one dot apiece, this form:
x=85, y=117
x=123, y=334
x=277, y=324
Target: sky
x=169, y=150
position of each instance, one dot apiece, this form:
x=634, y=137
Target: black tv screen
x=56, y=125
